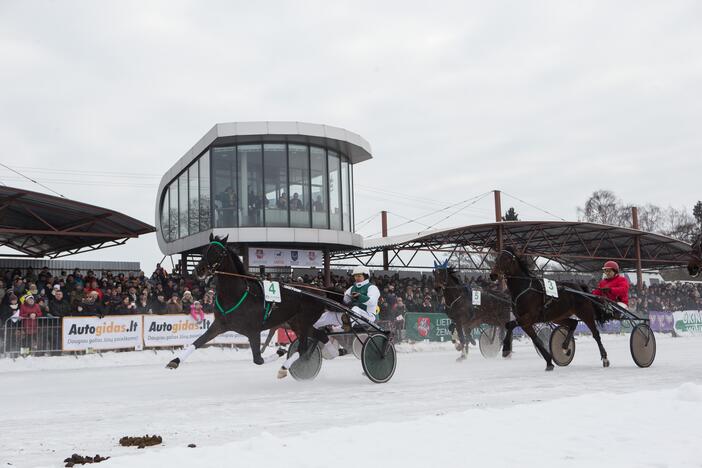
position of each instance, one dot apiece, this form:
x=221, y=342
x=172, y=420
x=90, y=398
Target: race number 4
x=550, y=288
x=476, y=297
x=272, y=291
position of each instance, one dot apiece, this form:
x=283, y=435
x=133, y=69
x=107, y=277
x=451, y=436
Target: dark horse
x=694, y=265
x=493, y=310
x=531, y=306
x=240, y=305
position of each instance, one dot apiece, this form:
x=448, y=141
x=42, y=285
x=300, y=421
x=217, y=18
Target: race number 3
x=272, y=291
x=476, y=297
x=550, y=288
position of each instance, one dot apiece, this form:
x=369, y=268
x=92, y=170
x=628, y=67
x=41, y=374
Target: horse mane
x=520, y=261
x=453, y=274
x=234, y=255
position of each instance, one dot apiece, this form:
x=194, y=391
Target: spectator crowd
x=31, y=294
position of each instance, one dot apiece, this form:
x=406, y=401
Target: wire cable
x=534, y=206
x=32, y=180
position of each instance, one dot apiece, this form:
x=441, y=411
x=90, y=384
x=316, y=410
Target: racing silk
x=367, y=299
x=618, y=289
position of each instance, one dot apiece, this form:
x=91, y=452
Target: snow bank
x=601, y=429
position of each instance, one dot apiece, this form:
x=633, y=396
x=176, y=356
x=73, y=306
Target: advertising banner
x=259, y=256
x=688, y=322
x=661, y=321
x=432, y=327
x=113, y=332
x=182, y=330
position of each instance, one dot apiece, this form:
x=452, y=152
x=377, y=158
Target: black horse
x=241, y=307
x=493, y=309
x=531, y=306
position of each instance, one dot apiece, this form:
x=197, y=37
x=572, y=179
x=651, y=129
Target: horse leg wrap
x=183, y=355
x=289, y=361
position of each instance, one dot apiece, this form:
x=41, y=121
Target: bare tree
x=604, y=207
x=679, y=224
x=650, y=218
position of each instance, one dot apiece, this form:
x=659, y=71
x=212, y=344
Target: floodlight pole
x=637, y=248
x=384, y=230
x=498, y=219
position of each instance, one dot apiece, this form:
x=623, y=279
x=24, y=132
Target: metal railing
x=26, y=336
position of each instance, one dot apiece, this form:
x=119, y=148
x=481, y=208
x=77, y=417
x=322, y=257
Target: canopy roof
x=40, y=225
x=576, y=245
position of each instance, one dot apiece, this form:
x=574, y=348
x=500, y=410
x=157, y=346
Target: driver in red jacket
x=613, y=285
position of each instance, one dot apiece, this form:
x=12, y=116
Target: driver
x=362, y=297
x=613, y=286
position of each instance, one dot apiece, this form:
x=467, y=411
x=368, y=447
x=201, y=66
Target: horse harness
x=267, y=306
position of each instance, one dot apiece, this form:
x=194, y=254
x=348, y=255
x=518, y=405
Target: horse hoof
x=549, y=367
x=461, y=358
x=173, y=364
x=506, y=354
x=282, y=373
x=605, y=362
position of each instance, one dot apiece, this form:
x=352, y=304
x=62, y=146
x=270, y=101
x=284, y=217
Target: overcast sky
x=547, y=101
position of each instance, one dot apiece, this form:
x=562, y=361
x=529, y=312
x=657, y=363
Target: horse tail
x=602, y=314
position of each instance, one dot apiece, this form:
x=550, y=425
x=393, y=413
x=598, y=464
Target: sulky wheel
x=642, y=344
x=490, y=341
x=562, y=357
x=544, y=335
x=308, y=364
x=357, y=346
x=378, y=358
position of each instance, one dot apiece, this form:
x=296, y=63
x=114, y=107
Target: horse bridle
x=212, y=268
x=527, y=289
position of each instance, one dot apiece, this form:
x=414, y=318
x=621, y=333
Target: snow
x=434, y=410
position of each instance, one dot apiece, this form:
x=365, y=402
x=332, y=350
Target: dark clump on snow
x=140, y=442
x=192, y=445
x=76, y=459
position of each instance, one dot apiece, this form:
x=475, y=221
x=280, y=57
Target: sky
x=546, y=101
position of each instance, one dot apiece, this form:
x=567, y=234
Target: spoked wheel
x=378, y=358
x=357, y=346
x=561, y=356
x=544, y=335
x=308, y=364
x=642, y=344
x=490, y=341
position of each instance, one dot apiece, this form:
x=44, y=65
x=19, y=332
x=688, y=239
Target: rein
x=297, y=285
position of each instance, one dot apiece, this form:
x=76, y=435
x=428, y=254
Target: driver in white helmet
x=362, y=296
x=363, y=299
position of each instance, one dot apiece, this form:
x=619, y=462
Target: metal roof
x=578, y=245
x=40, y=225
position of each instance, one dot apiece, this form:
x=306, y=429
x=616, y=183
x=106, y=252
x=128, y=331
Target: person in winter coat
x=59, y=305
x=30, y=313
x=613, y=286
x=173, y=306
x=196, y=312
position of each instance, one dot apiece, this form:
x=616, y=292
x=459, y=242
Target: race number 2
x=272, y=291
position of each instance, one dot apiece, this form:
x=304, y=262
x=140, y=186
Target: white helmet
x=361, y=270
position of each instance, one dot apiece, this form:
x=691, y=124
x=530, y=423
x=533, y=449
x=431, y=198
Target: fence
x=40, y=335
x=47, y=335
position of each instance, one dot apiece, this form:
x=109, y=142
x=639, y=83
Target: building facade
x=266, y=185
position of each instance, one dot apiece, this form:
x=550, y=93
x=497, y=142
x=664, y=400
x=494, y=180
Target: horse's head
x=215, y=253
x=506, y=263
x=441, y=275
x=693, y=267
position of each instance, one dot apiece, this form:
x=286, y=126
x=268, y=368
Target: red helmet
x=611, y=265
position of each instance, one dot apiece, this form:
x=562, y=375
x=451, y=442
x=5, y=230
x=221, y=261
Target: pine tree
x=510, y=215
